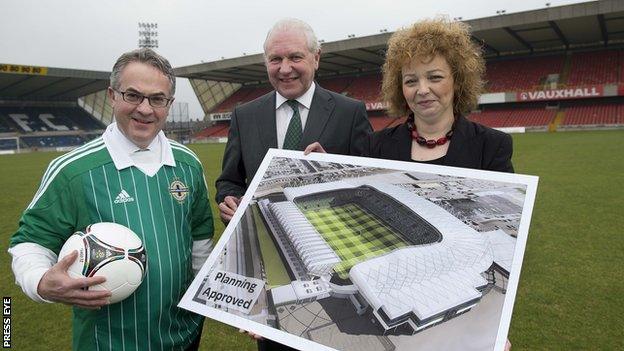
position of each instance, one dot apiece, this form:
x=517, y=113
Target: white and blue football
x=110, y=250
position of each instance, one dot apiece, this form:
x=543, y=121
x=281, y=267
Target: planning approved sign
x=230, y=290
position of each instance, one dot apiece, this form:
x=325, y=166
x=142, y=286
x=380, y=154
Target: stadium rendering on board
x=359, y=255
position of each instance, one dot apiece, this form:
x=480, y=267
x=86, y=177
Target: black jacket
x=472, y=146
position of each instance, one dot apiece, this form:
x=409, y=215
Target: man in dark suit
x=297, y=113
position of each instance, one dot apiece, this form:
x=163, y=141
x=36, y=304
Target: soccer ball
x=110, y=250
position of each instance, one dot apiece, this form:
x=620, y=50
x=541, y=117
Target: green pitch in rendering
x=353, y=234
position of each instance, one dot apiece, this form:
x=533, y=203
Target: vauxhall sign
x=560, y=94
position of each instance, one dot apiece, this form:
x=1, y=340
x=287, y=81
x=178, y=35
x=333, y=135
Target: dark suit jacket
x=339, y=123
x=472, y=146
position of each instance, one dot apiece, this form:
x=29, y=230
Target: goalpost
x=6, y=145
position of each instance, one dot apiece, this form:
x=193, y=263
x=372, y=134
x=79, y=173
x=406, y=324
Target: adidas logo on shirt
x=123, y=197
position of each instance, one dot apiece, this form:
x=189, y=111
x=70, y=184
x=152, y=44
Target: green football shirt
x=168, y=211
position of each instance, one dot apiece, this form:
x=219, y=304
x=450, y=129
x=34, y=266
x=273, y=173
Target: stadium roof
x=21, y=82
x=584, y=25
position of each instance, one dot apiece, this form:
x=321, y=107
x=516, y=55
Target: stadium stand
x=365, y=88
x=380, y=120
x=528, y=60
x=530, y=117
x=34, y=119
x=221, y=133
x=43, y=107
x=234, y=99
x=244, y=94
x=53, y=141
x=621, y=66
x=493, y=118
x=508, y=75
x=339, y=85
x=8, y=144
x=317, y=256
x=379, y=123
x=217, y=130
x=44, y=119
x=595, y=67
x=47, y=126
x=521, y=73
x=599, y=115
x=6, y=126
x=514, y=117
x=355, y=87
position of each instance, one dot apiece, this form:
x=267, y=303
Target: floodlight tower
x=148, y=35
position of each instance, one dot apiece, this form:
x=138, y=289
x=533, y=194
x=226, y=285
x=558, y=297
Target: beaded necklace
x=430, y=143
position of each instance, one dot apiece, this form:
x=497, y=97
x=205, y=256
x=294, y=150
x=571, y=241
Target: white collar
x=120, y=147
x=305, y=99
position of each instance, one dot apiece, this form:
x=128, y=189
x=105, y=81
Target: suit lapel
x=267, y=126
x=321, y=109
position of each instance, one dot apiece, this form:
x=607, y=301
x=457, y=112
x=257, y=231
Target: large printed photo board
x=336, y=252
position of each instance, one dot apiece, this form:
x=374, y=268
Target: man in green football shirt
x=131, y=175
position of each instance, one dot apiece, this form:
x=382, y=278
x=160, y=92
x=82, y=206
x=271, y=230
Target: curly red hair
x=423, y=41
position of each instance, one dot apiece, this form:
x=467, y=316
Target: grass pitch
x=571, y=286
x=276, y=273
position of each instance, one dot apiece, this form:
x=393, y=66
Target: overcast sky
x=86, y=34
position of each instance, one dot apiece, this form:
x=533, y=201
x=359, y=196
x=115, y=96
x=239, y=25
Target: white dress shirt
x=126, y=154
x=283, y=112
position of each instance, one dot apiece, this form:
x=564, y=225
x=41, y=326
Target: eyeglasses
x=137, y=99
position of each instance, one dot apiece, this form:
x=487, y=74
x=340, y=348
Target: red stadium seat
x=521, y=74
x=338, y=85
x=596, y=67
x=381, y=122
x=599, y=114
x=514, y=117
x=241, y=96
x=366, y=88
x=216, y=130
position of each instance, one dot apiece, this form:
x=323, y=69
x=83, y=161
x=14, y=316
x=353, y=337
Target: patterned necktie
x=294, y=133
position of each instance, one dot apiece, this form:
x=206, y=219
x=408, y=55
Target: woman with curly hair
x=433, y=73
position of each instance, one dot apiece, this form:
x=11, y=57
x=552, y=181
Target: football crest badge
x=178, y=190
